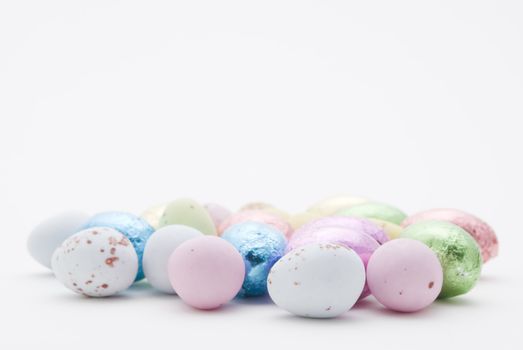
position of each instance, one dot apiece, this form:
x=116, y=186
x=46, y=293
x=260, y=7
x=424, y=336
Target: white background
x=124, y=104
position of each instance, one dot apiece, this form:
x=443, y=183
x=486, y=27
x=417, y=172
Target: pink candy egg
x=256, y=216
x=217, y=212
x=404, y=275
x=477, y=228
x=206, y=272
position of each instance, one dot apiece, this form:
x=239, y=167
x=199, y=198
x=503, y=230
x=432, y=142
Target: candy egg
x=96, y=262
x=266, y=207
x=206, y=272
x=477, y=228
x=317, y=280
x=357, y=224
x=217, y=212
x=392, y=230
x=157, y=251
x=136, y=229
x=404, y=275
x=50, y=233
x=153, y=215
x=331, y=205
x=257, y=216
x=363, y=244
x=300, y=219
x=375, y=211
x=261, y=246
x=189, y=213
x=457, y=251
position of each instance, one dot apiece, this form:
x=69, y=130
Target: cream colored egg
x=392, y=230
x=154, y=214
x=331, y=205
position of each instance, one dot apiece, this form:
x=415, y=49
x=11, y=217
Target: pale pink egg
x=477, y=228
x=404, y=275
x=206, y=272
x=217, y=212
x=257, y=216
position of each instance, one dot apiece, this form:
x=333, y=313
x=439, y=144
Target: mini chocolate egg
x=363, y=244
x=317, y=280
x=392, y=230
x=374, y=210
x=266, y=207
x=217, y=212
x=477, y=228
x=260, y=246
x=206, y=272
x=189, y=213
x=457, y=251
x=153, y=215
x=50, y=233
x=257, y=216
x=157, y=251
x=300, y=219
x=96, y=262
x=331, y=205
x=136, y=229
x=357, y=224
x=404, y=275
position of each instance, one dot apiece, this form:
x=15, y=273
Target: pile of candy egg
x=318, y=263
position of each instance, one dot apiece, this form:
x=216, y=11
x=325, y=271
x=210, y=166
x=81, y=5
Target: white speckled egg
x=157, y=251
x=50, y=233
x=96, y=262
x=317, y=280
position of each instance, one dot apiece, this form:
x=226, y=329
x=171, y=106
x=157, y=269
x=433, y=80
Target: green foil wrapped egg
x=374, y=210
x=190, y=213
x=457, y=251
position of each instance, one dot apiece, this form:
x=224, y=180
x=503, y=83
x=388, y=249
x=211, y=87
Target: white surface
x=122, y=105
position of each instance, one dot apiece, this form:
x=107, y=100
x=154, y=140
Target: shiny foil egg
x=375, y=210
x=477, y=228
x=458, y=253
x=96, y=262
x=257, y=216
x=136, y=229
x=260, y=246
x=317, y=280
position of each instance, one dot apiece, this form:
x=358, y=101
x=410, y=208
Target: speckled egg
x=217, y=212
x=477, y=228
x=404, y=275
x=375, y=210
x=50, y=233
x=96, y=262
x=157, y=251
x=457, y=251
x=136, y=229
x=260, y=246
x=331, y=205
x=257, y=216
x=190, y=213
x=317, y=280
x=153, y=215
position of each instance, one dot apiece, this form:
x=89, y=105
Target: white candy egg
x=49, y=234
x=96, y=262
x=319, y=280
x=157, y=251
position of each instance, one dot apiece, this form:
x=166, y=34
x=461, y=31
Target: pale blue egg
x=261, y=246
x=136, y=229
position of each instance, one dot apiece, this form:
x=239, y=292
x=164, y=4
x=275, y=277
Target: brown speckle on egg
x=110, y=261
x=113, y=250
x=431, y=284
x=296, y=283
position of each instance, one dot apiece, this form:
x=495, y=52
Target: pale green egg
x=375, y=210
x=190, y=213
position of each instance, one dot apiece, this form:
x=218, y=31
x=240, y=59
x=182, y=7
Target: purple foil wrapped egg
x=477, y=228
x=353, y=223
x=363, y=244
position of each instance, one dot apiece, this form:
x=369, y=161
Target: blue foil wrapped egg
x=136, y=229
x=261, y=246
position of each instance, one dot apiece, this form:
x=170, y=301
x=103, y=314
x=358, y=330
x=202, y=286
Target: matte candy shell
x=477, y=228
x=50, y=233
x=189, y=213
x=257, y=216
x=404, y=275
x=457, y=251
x=96, y=262
x=153, y=215
x=392, y=231
x=317, y=280
x=266, y=207
x=217, y=212
x=300, y=219
x=206, y=272
x=375, y=211
x=157, y=251
x=331, y=205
